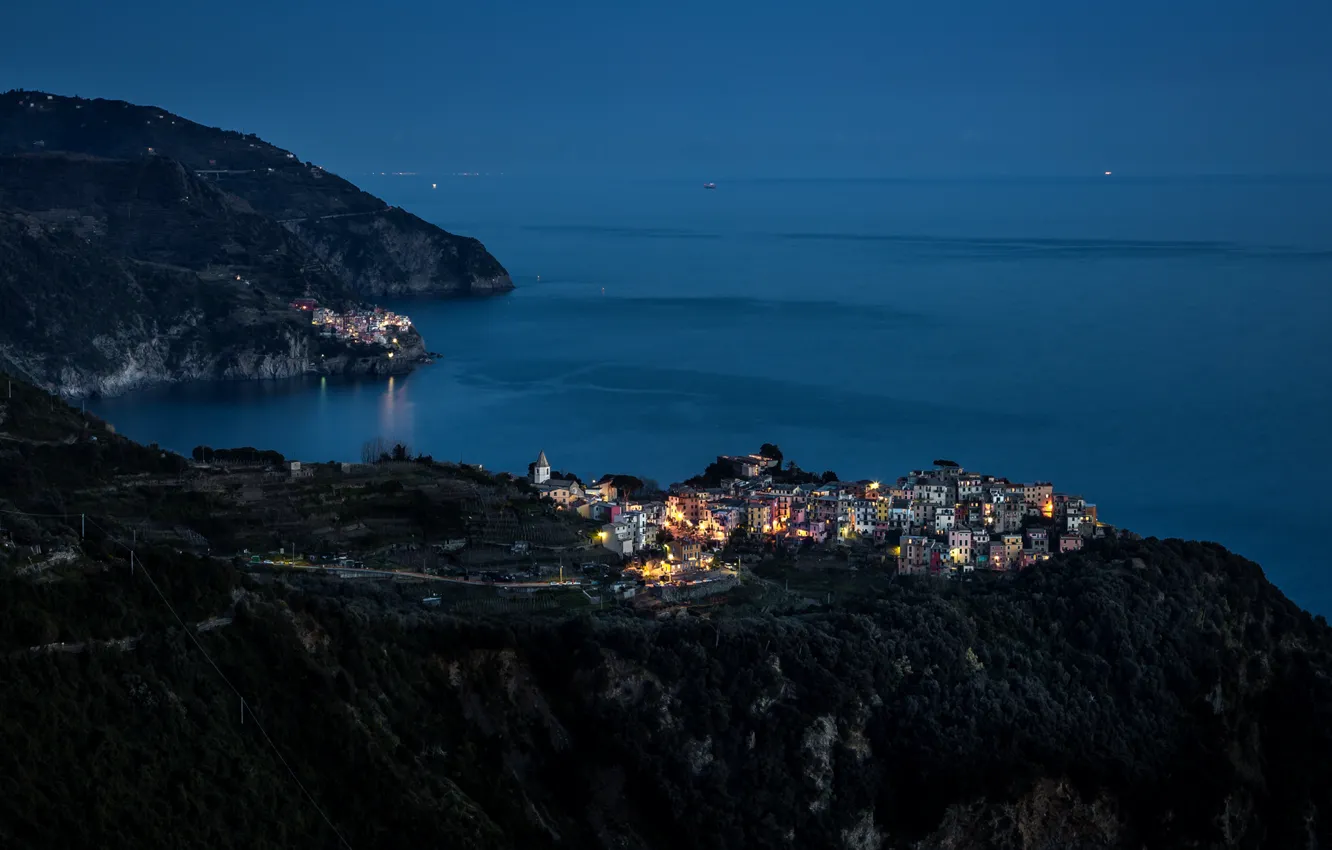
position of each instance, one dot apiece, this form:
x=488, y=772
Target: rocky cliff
x=395, y=253
x=375, y=249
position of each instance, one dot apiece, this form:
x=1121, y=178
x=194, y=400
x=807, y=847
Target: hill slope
x=116, y=274
x=389, y=252
x=1156, y=693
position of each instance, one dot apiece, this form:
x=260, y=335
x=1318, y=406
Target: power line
x=28, y=513
x=195, y=639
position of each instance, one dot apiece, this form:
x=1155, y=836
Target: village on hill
x=941, y=521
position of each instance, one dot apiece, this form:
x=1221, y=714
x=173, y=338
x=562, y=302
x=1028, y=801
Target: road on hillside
x=356, y=572
x=335, y=215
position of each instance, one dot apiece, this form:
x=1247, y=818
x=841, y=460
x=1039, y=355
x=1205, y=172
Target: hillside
x=118, y=274
x=379, y=251
x=1138, y=694
x=154, y=210
x=122, y=273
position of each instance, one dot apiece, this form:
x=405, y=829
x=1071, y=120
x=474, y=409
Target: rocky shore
x=157, y=361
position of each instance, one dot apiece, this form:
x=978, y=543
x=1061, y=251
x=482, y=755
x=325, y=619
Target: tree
x=770, y=451
x=828, y=476
x=627, y=485
x=712, y=476
x=381, y=449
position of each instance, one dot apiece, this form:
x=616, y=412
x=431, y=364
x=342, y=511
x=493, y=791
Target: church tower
x=541, y=473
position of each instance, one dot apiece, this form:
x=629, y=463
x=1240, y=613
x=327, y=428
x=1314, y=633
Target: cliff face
x=396, y=253
x=145, y=355
x=377, y=250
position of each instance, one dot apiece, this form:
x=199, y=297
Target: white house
x=637, y=525
x=944, y=519
x=866, y=515
x=899, y=512
x=970, y=486
x=618, y=537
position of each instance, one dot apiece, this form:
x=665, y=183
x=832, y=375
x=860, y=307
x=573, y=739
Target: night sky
x=751, y=88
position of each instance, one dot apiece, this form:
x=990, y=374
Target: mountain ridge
x=401, y=255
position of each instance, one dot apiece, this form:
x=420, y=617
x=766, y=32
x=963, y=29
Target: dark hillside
x=393, y=253
x=1138, y=694
x=120, y=273
x=156, y=211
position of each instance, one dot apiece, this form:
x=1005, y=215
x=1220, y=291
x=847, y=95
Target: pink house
x=1070, y=542
x=1029, y=557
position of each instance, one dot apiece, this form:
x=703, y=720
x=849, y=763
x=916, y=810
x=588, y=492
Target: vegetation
x=248, y=454
x=137, y=246
x=1140, y=693
x=384, y=450
x=102, y=261
x=627, y=485
x=267, y=181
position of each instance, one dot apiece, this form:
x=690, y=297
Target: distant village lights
x=369, y=327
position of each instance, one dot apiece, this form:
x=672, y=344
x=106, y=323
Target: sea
x=1157, y=346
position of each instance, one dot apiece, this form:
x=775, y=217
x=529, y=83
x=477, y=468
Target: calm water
x=1158, y=347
